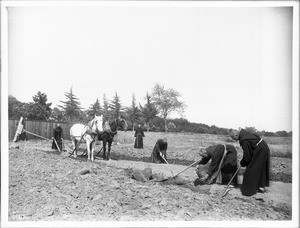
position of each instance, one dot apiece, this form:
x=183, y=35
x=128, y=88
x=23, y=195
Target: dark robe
x=256, y=158
x=228, y=166
x=139, y=134
x=159, y=147
x=57, y=135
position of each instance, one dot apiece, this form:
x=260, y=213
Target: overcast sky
x=232, y=65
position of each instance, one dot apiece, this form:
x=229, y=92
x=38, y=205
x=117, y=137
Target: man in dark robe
x=256, y=159
x=159, y=153
x=58, y=136
x=222, y=167
x=139, y=134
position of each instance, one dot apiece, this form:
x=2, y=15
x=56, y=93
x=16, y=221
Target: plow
x=21, y=129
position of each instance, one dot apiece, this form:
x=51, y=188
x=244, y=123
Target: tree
x=105, y=109
x=183, y=125
x=166, y=102
x=133, y=112
x=115, y=106
x=16, y=108
x=56, y=115
x=39, y=109
x=282, y=133
x=171, y=126
x=71, y=107
x=148, y=112
x=95, y=109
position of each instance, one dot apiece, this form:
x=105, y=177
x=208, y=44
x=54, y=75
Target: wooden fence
x=41, y=128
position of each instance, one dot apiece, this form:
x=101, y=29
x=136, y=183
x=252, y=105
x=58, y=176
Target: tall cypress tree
x=133, y=111
x=148, y=111
x=71, y=107
x=95, y=109
x=116, y=107
x=105, y=109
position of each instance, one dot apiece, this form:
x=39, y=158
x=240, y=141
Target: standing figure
x=222, y=167
x=58, y=136
x=256, y=159
x=139, y=134
x=159, y=153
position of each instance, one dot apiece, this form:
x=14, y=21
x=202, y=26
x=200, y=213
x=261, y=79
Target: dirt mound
x=48, y=186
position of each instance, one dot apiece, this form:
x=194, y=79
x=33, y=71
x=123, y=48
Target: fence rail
x=41, y=128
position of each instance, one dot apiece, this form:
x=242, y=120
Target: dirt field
x=45, y=185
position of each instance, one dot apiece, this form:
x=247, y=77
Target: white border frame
x=4, y=113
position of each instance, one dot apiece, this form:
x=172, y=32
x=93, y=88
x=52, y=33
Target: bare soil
x=45, y=185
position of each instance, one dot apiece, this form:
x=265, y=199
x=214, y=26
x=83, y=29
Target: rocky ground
x=45, y=185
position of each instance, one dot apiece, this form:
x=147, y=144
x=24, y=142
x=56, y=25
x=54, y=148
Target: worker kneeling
x=222, y=167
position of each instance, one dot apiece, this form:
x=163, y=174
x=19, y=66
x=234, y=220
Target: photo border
x=4, y=114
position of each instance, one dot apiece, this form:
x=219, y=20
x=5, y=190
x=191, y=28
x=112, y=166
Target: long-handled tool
x=169, y=178
x=36, y=135
x=56, y=145
x=226, y=189
x=28, y=132
x=163, y=158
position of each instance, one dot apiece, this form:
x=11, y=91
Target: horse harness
x=87, y=132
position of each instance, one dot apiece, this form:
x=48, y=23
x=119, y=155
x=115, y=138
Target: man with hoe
x=159, y=153
x=57, y=137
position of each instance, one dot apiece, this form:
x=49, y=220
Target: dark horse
x=110, y=130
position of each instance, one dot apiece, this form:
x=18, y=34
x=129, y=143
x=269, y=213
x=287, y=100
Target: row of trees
x=159, y=105
x=153, y=115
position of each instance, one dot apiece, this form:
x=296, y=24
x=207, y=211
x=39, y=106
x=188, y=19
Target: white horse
x=87, y=133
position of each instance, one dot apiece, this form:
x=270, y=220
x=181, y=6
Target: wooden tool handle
x=36, y=135
x=224, y=193
x=57, y=145
x=188, y=167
